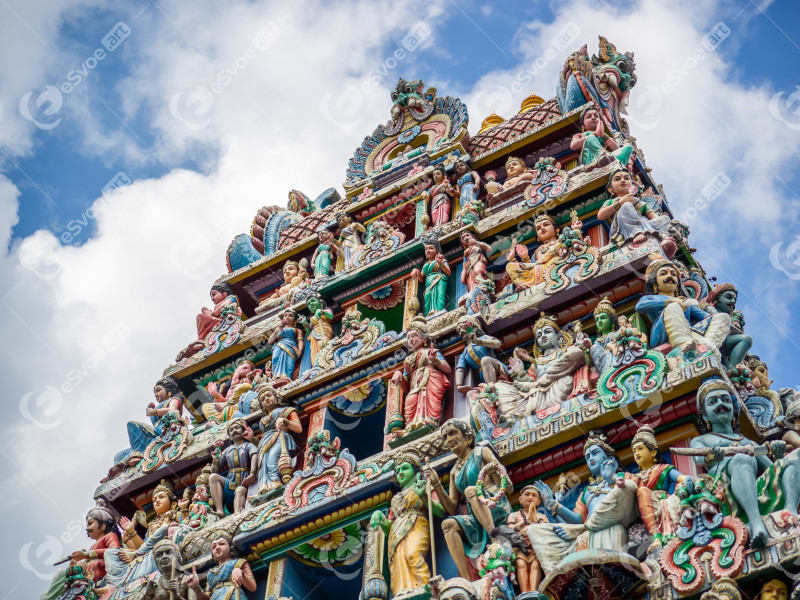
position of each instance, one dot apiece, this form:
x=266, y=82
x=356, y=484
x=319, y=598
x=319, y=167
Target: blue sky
x=108, y=309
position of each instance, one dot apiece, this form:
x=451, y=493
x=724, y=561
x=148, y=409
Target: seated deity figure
x=722, y=299
x=602, y=515
x=630, y=218
x=517, y=172
x=225, y=301
x=171, y=584
x=240, y=459
x=226, y=580
x=277, y=448
x=755, y=483
x=677, y=319
x=558, y=368
x=524, y=272
x=595, y=146
x=467, y=535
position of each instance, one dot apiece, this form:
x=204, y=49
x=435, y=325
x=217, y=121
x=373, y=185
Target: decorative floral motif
x=384, y=298
x=361, y=400
x=337, y=547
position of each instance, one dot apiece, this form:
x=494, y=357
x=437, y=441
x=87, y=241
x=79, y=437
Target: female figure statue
x=225, y=581
x=349, y=240
x=529, y=571
x=441, y=194
x=424, y=378
x=594, y=143
x=434, y=273
x=468, y=184
x=408, y=528
x=226, y=402
x=526, y=274
x=277, y=447
x=287, y=346
x=467, y=535
x=321, y=331
x=475, y=259
x=630, y=218
x=322, y=260
x=222, y=296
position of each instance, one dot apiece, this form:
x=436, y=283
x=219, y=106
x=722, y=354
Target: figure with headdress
x=524, y=272
x=423, y=379
x=757, y=479
x=287, y=347
x=322, y=259
x=228, y=400
x=171, y=584
x=226, y=580
x=349, y=241
x=557, y=371
x=473, y=274
x=478, y=358
x=529, y=571
x=240, y=461
x=434, y=273
x=629, y=217
x=603, y=512
x=201, y=510
x=440, y=195
x=676, y=318
x=320, y=331
x=468, y=184
x=517, y=172
x=722, y=299
x=407, y=527
x=594, y=144
x=601, y=350
x=277, y=448
x=656, y=480
x=225, y=301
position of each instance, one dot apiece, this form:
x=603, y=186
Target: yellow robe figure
x=409, y=541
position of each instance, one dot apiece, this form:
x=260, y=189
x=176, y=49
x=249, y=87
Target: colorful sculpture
x=478, y=358
x=602, y=349
x=630, y=218
x=226, y=580
x=288, y=343
x=774, y=589
x=277, y=448
x=171, y=584
x=468, y=184
x=517, y=172
x=225, y=302
x=229, y=401
x=722, y=299
x=201, y=509
x=440, y=195
x=526, y=273
x=349, y=241
x=322, y=259
x=529, y=571
x=320, y=332
x=467, y=535
x=597, y=148
x=434, y=273
x=473, y=275
x=239, y=459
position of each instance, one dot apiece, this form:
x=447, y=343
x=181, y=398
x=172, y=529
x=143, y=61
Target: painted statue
x=226, y=580
x=594, y=144
x=722, y=299
x=603, y=512
x=601, y=350
x=468, y=183
x=300, y=203
x=529, y=571
x=557, y=371
x=322, y=259
x=630, y=218
x=228, y=400
x=423, y=380
x=755, y=483
x=225, y=301
x=240, y=461
x=434, y=273
x=349, y=241
x=169, y=399
x=476, y=469
x=774, y=589
x=320, y=331
x=473, y=274
x=201, y=509
x=408, y=527
x=517, y=172
x=287, y=347
x=277, y=448
x=656, y=480
x=524, y=272
x=478, y=358
x=440, y=195
x=676, y=319
x=171, y=584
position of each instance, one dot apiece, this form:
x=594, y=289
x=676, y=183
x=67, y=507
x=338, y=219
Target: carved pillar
x=422, y=214
x=374, y=586
x=275, y=577
x=316, y=421
x=394, y=411
x=411, y=308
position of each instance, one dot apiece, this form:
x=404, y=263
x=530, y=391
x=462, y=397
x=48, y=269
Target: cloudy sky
x=136, y=141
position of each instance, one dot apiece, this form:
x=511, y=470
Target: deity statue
x=593, y=143
x=171, y=583
x=225, y=581
x=320, y=331
x=755, y=484
x=630, y=217
x=469, y=188
x=277, y=448
x=722, y=299
x=300, y=203
x=201, y=510
x=529, y=571
x=517, y=172
x=225, y=301
x=473, y=274
x=526, y=273
x=478, y=357
x=476, y=472
x=349, y=241
x=557, y=371
x=424, y=378
x=322, y=259
x=656, y=480
x=601, y=350
x=229, y=401
x=288, y=344
x=774, y=589
x=434, y=273
x=240, y=459
x=677, y=319
x=169, y=399
x=407, y=527
x=440, y=195
x=182, y=514
x=603, y=512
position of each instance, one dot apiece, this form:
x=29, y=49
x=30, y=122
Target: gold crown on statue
x=605, y=307
x=543, y=321
x=512, y=159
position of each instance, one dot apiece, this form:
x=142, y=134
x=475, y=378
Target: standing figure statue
x=478, y=357
x=756, y=483
x=526, y=273
x=288, y=344
x=240, y=460
x=676, y=318
x=601, y=350
x=467, y=535
x=320, y=332
x=322, y=259
x=171, y=584
x=434, y=273
x=226, y=580
x=349, y=241
x=593, y=143
x=473, y=274
x=408, y=527
x=440, y=195
x=722, y=299
x=468, y=184
x=424, y=378
x=602, y=515
x=630, y=218
x=277, y=448
x=529, y=571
